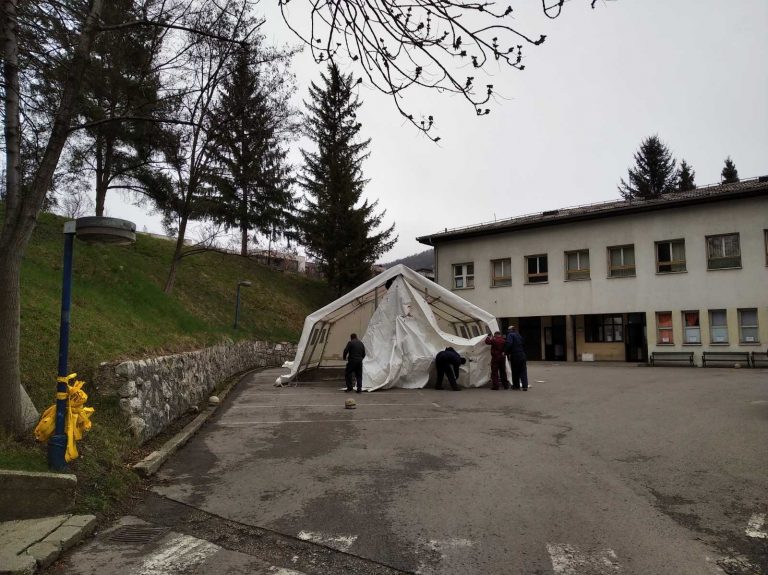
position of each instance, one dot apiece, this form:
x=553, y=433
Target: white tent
x=403, y=319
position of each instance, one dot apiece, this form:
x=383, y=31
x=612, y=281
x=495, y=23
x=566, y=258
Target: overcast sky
x=691, y=71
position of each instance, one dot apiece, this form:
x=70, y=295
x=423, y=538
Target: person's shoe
x=515, y=387
x=359, y=391
x=348, y=390
x=457, y=388
x=506, y=385
x=525, y=389
x=495, y=388
x=439, y=388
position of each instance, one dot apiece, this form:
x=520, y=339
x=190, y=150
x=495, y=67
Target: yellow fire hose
x=78, y=419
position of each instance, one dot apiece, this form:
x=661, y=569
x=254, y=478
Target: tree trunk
x=170, y=282
x=10, y=336
x=101, y=189
x=22, y=207
x=243, y=240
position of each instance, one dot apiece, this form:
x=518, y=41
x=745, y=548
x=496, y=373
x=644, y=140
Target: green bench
x=725, y=358
x=675, y=357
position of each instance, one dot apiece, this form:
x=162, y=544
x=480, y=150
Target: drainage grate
x=138, y=533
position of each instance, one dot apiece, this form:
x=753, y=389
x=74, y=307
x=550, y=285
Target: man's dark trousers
x=445, y=369
x=354, y=367
x=519, y=371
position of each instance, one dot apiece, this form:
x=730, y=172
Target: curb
x=155, y=460
x=52, y=537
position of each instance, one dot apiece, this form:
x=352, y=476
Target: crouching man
x=447, y=363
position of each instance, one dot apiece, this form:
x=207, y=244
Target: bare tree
x=75, y=204
x=401, y=45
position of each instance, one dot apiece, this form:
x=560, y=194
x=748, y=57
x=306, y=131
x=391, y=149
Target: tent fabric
x=405, y=320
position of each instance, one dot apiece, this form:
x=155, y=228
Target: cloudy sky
x=565, y=131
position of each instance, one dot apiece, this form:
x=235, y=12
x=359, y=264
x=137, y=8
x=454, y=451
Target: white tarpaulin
x=403, y=319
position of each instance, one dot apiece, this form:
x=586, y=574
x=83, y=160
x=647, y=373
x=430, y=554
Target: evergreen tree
x=121, y=81
x=729, y=174
x=685, y=176
x=333, y=226
x=252, y=123
x=654, y=173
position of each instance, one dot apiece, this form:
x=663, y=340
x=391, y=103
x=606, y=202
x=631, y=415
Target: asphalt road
x=596, y=470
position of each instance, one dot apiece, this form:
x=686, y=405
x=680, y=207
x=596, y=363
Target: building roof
x=702, y=195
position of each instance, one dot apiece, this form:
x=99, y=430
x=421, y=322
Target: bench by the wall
x=675, y=357
x=759, y=359
x=725, y=358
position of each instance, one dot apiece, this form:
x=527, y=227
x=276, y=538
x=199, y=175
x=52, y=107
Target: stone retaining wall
x=154, y=392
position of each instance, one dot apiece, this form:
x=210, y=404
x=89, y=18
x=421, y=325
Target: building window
x=603, y=328
x=691, y=327
x=664, y=328
x=723, y=252
x=621, y=261
x=670, y=256
x=718, y=326
x=537, y=269
x=502, y=272
x=577, y=265
x=748, y=326
x=463, y=276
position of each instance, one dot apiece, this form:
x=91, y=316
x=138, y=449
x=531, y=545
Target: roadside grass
x=119, y=311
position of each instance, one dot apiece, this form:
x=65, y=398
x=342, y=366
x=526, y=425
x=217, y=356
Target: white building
x=618, y=280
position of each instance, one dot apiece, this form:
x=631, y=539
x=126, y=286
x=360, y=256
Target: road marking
x=570, y=560
x=350, y=420
x=259, y=406
x=284, y=571
x=179, y=555
x=756, y=526
x=339, y=542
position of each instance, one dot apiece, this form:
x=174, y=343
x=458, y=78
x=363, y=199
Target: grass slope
x=119, y=311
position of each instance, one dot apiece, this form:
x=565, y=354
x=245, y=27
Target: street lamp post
x=92, y=230
x=237, y=302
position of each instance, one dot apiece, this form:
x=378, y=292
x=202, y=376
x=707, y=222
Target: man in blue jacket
x=516, y=354
x=447, y=363
x=354, y=353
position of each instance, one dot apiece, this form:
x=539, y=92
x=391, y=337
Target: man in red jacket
x=498, y=362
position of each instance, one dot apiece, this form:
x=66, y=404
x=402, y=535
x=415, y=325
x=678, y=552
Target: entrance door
x=554, y=339
x=636, y=347
x=530, y=329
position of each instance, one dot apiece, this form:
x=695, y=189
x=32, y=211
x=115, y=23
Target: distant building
x=619, y=280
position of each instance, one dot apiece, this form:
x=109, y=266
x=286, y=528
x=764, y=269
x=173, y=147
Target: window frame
x=597, y=323
x=501, y=281
x=743, y=340
x=667, y=330
x=611, y=268
x=465, y=276
x=671, y=262
x=712, y=326
x=686, y=326
x=710, y=259
x=571, y=273
x=538, y=274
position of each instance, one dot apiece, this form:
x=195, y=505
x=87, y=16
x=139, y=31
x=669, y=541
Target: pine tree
x=121, y=81
x=333, y=227
x=730, y=174
x=654, y=173
x=252, y=122
x=685, y=176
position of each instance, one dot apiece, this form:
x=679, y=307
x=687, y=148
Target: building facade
x=619, y=280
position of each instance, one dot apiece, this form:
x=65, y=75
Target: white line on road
x=179, y=555
x=756, y=526
x=340, y=542
x=570, y=560
x=336, y=405
x=350, y=420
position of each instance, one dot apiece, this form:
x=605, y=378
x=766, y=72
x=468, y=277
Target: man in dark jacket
x=447, y=363
x=516, y=354
x=354, y=354
x=498, y=361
